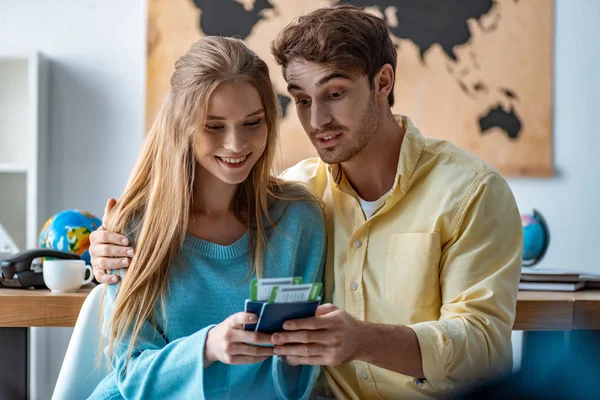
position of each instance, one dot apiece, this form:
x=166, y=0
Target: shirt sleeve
x=159, y=369
x=479, y=275
x=297, y=382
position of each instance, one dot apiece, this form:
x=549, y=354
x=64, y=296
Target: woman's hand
x=228, y=342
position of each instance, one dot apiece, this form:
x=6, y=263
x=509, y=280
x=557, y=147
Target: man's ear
x=384, y=81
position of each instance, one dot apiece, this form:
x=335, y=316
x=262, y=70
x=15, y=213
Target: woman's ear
x=384, y=82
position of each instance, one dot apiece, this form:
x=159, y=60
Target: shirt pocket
x=412, y=278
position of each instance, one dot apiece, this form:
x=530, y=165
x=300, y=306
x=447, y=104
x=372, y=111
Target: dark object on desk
x=555, y=366
x=17, y=271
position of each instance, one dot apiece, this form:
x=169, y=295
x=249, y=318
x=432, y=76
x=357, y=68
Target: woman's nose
x=235, y=141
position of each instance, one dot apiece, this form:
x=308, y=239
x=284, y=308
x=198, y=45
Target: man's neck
x=372, y=172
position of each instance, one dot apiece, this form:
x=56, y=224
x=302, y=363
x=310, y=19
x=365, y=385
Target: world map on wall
x=424, y=22
x=475, y=72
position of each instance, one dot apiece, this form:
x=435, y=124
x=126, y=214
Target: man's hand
x=228, y=342
x=108, y=250
x=332, y=337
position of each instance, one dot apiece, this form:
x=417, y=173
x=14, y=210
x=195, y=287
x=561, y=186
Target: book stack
x=556, y=280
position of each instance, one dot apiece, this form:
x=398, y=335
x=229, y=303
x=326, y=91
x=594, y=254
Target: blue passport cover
x=254, y=307
x=273, y=315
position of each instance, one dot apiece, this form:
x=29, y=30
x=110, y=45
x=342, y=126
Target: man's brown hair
x=343, y=37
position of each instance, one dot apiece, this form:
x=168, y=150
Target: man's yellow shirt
x=442, y=256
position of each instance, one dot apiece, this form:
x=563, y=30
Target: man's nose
x=320, y=115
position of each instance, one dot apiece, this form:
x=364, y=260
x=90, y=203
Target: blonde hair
x=158, y=197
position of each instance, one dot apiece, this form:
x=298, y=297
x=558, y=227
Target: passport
x=271, y=316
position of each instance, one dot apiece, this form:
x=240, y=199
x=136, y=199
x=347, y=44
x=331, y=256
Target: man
x=425, y=240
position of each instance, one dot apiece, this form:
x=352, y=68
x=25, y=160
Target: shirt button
x=353, y=286
x=357, y=244
x=364, y=375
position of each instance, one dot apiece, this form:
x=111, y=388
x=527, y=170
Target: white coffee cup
x=63, y=276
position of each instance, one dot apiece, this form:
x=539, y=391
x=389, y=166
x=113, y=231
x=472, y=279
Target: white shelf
x=16, y=111
x=13, y=213
x=23, y=144
x=13, y=168
x=23, y=170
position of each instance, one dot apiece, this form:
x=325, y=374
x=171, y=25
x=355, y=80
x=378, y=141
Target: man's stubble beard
x=359, y=138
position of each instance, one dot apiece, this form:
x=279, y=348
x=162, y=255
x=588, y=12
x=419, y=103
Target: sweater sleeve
x=297, y=382
x=158, y=368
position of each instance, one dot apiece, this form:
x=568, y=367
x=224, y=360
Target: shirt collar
x=410, y=152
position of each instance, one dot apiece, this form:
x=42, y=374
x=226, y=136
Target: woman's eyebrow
x=253, y=113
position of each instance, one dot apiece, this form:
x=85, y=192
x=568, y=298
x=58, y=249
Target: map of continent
x=470, y=71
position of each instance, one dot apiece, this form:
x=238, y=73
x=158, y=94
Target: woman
x=206, y=215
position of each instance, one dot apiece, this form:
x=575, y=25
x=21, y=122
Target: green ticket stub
x=315, y=291
x=295, y=293
x=260, y=289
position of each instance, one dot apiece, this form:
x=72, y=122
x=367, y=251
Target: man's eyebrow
x=253, y=113
x=293, y=86
x=331, y=76
x=321, y=81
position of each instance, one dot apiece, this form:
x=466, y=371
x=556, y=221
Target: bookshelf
x=23, y=144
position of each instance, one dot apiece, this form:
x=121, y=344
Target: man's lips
x=328, y=135
x=327, y=139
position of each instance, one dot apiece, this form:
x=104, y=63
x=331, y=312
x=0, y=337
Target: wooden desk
x=536, y=311
x=20, y=308
x=558, y=311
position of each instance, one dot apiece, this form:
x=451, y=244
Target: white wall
x=569, y=201
x=97, y=61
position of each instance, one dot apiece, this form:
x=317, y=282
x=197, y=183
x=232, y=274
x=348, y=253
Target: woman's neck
x=211, y=215
x=211, y=196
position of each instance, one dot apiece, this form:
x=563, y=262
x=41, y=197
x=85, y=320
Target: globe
x=536, y=238
x=69, y=231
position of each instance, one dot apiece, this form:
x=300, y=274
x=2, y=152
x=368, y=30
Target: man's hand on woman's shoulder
x=109, y=250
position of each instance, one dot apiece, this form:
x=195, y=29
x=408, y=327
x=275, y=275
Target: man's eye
x=303, y=102
x=338, y=94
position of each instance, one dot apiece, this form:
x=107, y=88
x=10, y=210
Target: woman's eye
x=213, y=127
x=253, y=123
